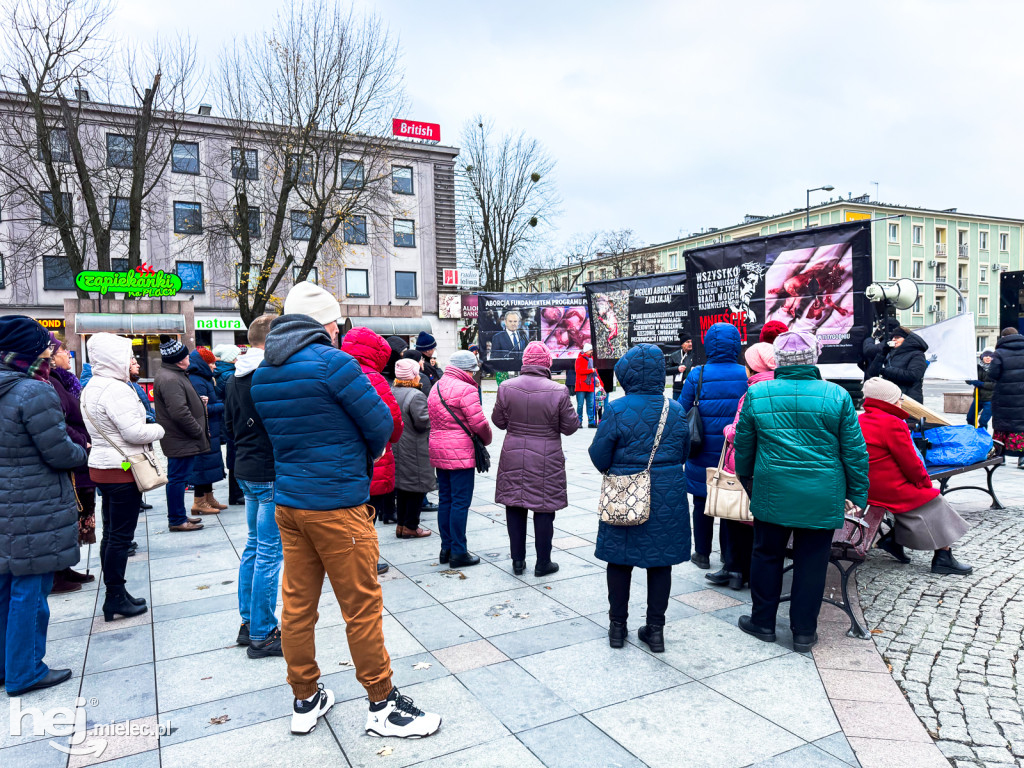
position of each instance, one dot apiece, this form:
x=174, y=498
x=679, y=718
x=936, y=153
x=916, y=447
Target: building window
x=351, y=174
x=982, y=343
x=894, y=268
x=185, y=157
x=313, y=276
x=47, y=213
x=917, y=306
x=193, y=278
x=1004, y=241
x=60, y=147
x=254, y=223
x=917, y=235
x=119, y=151
x=357, y=283
x=118, y=265
x=188, y=218
x=244, y=163
x=57, y=274
x=120, y=218
x=602, y=273
x=982, y=274
x=983, y=240
x=302, y=225
x=916, y=267
x=590, y=275
x=894, y=232
x=401, y=180
x=982, y=305
x=405, y=285
x=405, y=233
x=354, y=230
x=300, y=169
x=3, y=276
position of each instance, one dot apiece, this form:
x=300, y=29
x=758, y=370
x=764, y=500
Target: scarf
x=36, y=367
x=69, y=380
x=408, y=383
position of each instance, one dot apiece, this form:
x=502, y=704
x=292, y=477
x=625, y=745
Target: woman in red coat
x=373, y=352
x=585, y=374
x=900, y=483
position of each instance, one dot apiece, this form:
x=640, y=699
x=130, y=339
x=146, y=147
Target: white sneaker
x=398, y=716
x=304, y=716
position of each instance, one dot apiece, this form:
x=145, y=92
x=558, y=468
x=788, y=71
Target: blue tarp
x=957, y=446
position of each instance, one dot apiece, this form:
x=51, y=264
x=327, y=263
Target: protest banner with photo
x=509, y=321
x=812, y=280
x=647, y=309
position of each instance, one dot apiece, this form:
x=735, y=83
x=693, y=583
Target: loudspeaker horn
x=902, y=294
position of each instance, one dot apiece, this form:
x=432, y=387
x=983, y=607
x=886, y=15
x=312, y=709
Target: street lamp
x=807, y=211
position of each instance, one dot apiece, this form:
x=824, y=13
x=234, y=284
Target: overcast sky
x=666, y=117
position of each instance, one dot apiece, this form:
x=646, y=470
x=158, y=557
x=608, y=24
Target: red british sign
x=410, y=129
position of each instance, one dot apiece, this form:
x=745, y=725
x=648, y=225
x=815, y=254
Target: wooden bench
x=943, y=475
x=850, y=546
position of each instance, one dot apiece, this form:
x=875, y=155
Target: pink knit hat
x=537, y=354
x=760, y=357
x=407, y=368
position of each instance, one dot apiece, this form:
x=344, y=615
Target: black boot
x=701, y=561
x=136, y=600
x=617, y=634
x=943, y=562
x=118, y=604
x=719, y=578
x=443, y=557
x=653, y=636
x=1020, y=462
x=543, y=569
x=737, y=580
x=888, y=544
x=518, y=567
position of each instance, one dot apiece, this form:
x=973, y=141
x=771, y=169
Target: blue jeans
x=260, y=569
x=24, y=618
x=454, y=495
x=986, y=414
x=178, y=471
x=589, y=398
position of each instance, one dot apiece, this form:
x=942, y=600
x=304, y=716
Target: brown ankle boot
x=201, y=506
x=212, y=502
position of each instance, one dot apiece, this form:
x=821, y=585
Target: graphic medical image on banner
x=510, y=321
x=611, y=324
x=811, y=289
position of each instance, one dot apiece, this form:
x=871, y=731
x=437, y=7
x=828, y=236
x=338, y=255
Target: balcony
x=940, y=315
x=940, y=250
x=963, y=251
x=941, y=287
x=963, y=285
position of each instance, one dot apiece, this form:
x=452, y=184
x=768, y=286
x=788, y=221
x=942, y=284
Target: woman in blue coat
x=719, y=384
x=622, y=446
x=208, y=467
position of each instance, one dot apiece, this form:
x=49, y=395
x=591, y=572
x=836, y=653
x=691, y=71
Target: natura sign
x=144, y=281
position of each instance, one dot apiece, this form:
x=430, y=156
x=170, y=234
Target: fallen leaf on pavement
x=547, y=587
x=421, y=665
x=219, y=720
x=203, y=586
x=876, y=631
x=345, y=664
x=384, y=752
x=207, y=678
x=451, y=572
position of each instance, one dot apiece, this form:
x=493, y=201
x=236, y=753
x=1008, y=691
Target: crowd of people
x=324, y=441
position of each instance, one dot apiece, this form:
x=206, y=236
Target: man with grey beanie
x=801, y=455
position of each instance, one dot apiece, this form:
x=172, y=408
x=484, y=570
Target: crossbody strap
x=661, y=428
x=700, y=386
x=457, y=419
x=103, y=434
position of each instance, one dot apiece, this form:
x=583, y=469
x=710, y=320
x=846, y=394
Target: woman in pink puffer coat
x=451, y=452
x=735, y=572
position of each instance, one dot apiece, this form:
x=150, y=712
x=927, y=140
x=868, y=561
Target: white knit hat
x=307, y=298
x=881, y=389
x=226, y=352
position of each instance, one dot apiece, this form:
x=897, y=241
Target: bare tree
x=617, y=247
x=512, y=197
x=57, y=148
x=305, y=171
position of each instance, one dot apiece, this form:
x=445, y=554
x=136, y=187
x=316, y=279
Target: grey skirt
x=931, y=526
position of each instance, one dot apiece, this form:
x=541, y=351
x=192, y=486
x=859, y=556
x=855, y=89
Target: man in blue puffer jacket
x=721, y=383
x=327, y=425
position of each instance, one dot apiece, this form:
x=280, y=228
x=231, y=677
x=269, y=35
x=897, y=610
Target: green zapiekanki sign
x=130, y=283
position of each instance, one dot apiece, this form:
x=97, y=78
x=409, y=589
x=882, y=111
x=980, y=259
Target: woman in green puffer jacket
x=799, y=442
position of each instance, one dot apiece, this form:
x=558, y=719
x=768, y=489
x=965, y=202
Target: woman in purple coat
x=534, y=411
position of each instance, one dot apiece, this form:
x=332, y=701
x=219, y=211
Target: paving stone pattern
x=519, y=667
x=953, y=642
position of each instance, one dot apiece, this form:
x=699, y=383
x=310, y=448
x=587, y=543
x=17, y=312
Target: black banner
x=509, y=321
x=810, y=280
x=648, y=309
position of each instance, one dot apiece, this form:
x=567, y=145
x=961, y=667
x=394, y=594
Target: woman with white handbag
x=735, y=572
x=116, y=420
x=641, y=445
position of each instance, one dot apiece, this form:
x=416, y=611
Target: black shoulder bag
x=694, y=423
x=480, y=454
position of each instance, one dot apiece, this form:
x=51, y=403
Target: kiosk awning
x=388, y=326
x=95, y=322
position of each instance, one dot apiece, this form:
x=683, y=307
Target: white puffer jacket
x=113, y=404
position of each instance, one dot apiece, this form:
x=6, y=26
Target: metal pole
x=807, y=211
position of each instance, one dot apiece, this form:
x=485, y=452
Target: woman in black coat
x=38, y=509
x=1007, y=371
x=905, y=363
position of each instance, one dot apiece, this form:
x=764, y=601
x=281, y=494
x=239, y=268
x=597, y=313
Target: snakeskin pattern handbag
x=626, y=499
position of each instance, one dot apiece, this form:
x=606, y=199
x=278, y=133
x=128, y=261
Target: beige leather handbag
x=726, y=497
x=144, y=466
